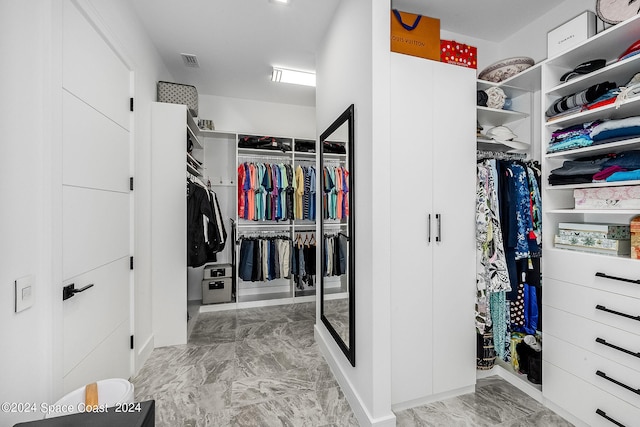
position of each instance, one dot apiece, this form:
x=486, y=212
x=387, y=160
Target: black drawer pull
x=219, y=272
x=622, y=279
x=216, y=285
x=617, y=313
x=608, y=418
x=624, y=350
x=623, y=385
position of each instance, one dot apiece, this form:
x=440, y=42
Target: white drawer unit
x=595, y=407
x=611, y=309
x=608, y=342
x=613, y=274
x=607, y=375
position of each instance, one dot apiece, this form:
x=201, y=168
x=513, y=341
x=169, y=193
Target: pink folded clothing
x=606, y=173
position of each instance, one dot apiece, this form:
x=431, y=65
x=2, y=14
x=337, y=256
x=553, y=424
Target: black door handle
x=608, y=418
x=617, y=313
x=624, y=350
x=622, y=279
x=616, y=382
x=70, y=290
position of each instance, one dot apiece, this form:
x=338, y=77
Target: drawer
x=607, y=375
x=611, y=343
x=213, y=271
x=581, y=268
x=584, y=400
x=216, y=290
x=604, y=307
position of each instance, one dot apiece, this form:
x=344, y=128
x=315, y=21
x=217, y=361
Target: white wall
x=263, y=118
x=353, y=67
x=25, y=357
x=27, y=37
x=531, y=40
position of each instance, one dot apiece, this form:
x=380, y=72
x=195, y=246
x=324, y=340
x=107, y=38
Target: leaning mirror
x=337, y=280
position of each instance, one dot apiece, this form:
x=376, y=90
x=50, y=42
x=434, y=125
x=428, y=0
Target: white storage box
x=571, y=33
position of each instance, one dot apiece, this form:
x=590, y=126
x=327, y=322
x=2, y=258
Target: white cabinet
x=433, y=229
x=591, y=302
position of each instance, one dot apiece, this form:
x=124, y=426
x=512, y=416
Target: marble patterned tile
x=493, y=410
x=208, y=405
x=544, y=418
x=450, y=412
x=254, y=390
x=335, y=407
x=300, y=410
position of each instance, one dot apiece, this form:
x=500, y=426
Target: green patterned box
x=608, y=231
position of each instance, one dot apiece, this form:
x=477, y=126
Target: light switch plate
x=24, y=293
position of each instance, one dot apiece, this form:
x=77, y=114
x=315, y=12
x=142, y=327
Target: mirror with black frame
x=337, y=278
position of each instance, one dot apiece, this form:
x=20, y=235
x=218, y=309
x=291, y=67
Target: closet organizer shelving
x=172, y=125
x=222, y=157
x=522, y=118
x=591, y=368
x=520, y=89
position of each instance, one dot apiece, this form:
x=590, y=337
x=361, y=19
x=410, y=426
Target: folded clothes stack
x=623, y=166
x=594, y=133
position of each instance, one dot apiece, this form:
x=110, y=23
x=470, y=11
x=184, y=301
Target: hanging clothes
x=206, y=233
x=508, y=245
x=264, y=258
x=265, y=191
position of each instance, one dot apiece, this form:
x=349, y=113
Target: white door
x=96, y=88
x=454, y=256
x=412, y=231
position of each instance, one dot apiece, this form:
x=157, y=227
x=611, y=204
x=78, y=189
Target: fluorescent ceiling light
x=284, y=75
x=280, y=1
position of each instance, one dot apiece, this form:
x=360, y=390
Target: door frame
x=54, y=93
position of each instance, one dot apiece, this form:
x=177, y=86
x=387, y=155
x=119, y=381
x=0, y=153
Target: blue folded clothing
x=629, y=160
x=628, y=132
x=633, y=175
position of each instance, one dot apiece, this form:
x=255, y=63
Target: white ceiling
x=238, y=41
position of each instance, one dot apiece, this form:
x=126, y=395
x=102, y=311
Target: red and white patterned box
x=456, y=53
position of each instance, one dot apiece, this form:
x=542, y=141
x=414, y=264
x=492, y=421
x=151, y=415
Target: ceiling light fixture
x=285, y=2
x=284, y=75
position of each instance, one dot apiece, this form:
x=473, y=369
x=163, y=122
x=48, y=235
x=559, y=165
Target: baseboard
x=519, y=381
x=432, y=398
x=359, y=409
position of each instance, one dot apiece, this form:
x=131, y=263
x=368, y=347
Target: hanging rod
x=499, y=155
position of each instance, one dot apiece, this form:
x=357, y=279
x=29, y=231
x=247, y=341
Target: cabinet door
x=411, y=204
x=454, y=196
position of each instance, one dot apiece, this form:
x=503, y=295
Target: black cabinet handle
x=617, y=313
x=429, y=228
x=616, y=382
x=624, y=350
x=608, y=418
x=622, y=279
x=439, y=229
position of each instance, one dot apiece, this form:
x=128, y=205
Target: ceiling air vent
x=190, y=60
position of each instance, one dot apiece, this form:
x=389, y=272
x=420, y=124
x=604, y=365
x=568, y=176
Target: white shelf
x=495, y=117
x=612, y=147
x=592, y=185
x=193, y=130
x=618, y=72
x=492, y=145
x=248, y=152
x=628, y=108
x=523, y=82
x=595, y=211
